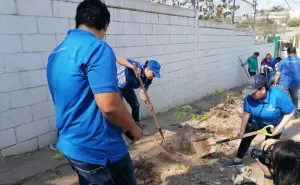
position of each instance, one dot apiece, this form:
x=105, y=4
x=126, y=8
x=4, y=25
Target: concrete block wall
x=196, y=57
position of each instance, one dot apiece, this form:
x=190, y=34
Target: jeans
x=132, y=100
x=118, y=173
x=246, y=142
x=294, y=91
x=251, y=73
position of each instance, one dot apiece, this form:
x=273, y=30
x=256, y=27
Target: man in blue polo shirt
x=262, y=106
x=90, y=115
x=288, y=74
x=128, y=82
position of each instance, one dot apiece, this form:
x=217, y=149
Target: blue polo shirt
x=128, y=79
x=81, y=66
x=289, y=69
x=271, y=110
x=272, y=64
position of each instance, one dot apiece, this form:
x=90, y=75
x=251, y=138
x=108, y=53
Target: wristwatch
x=269, y=177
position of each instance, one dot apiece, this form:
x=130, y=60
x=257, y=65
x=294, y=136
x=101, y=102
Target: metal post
x=233, y=11
x=255, y=4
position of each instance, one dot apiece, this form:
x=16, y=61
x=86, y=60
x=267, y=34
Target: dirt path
x=176, y=161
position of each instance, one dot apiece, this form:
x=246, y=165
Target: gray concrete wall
x=196, y=58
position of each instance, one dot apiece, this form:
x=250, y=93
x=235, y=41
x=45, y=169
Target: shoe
x=146, y=133
x=53, y=147
x=232, y=164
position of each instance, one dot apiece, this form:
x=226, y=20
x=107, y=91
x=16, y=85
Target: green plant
x=228, y=96
x=294, y=23
x=217, y=92
x=183, y=110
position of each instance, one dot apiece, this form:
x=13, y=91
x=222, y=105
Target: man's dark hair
x=256, y=53
x=291, y=50
x=286, y=163
x=278, y=59
x=93, y=14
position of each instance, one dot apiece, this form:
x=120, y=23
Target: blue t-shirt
x=128, y=79
x=81, y=66
x=272, y=64
x=271, y=110
x=289, y=69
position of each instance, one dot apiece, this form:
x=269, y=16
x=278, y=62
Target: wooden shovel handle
x=235, y=138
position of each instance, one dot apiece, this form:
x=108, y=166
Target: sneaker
x=146, y=133
x=232, y=164
x=53, y=147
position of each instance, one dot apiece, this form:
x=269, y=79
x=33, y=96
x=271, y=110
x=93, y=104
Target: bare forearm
x=143, y=95
x=277, y=76
x=124, y=62
x=268, y=182
x=285, y=120
x=245, y=119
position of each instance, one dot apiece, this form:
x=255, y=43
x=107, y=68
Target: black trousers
x=132, y=100
x=246, y=142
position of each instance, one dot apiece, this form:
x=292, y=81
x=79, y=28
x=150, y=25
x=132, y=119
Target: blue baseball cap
x=155, y=67
x=254, y=83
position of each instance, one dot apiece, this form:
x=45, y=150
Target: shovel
x=244, y=68
x=157, y=123
x=204, y=146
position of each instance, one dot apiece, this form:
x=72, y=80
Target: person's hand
x=136, y=132
x=264, y=168
x=136, y=70
x=276, y=85
x=149, y=106
x=240, y=134
x=275, y=131
x=267, y=143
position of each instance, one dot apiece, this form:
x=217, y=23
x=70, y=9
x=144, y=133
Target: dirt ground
x=177, y=161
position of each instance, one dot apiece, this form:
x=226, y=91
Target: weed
x=217, y=92
x=229, y=96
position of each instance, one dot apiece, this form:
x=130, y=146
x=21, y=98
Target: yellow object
x=264, y=130
x=185, y=168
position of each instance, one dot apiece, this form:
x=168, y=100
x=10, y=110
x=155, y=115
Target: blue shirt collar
x=79, y=31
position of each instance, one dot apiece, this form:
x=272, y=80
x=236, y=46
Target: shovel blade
x=204, y=147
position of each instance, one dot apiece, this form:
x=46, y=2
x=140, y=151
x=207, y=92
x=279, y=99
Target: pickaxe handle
x=157, y=123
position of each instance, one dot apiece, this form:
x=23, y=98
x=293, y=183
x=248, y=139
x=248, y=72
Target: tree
x=294, y=23
x=278, y=8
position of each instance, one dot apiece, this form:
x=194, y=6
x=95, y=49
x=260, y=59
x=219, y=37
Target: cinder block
x=22, y=62
x=115, y=28
x=177, y=20
x=20, y=148
x=42, y=110
x=4, y=102
x=35, y=7
x=2, y=64
x=152, y=18
x=49, y=97
x=7, y=138
x=6, y=81
x=64, y=9
x=138, y=16
x=45, y=56
x=186, y=55
x=191, y=21
x=146, y=29
x=111, y=12
x=15, y=117
x=111, y=40
x=139, y=40
x=124, y=40
x=33, y=129
x=60, y=38
x=161, y=29
x=8, y=7
x=10, y=44
x=34, y=43
x=178, y=39
x=52, y=123
x=47, y=139
x=37, y=78
x=131, y=28
x=122, y=15
x=158, y=39
x=27, y=97
x=21, y=24
x=50, y=25
x=175, y=29
x=72, y=24
x=163, y=19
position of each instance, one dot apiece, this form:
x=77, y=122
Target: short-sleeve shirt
x=252, y=64
x=271, y=110
x=128, y=79
x=81, y=66
x=272, y=64
x=289, y=69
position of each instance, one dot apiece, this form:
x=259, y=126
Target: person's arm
x=246, y=62
x=287, y=107
x=278, y=73
x=102, y=75
x=143, y=97
x=245, y=117
x=126, y=63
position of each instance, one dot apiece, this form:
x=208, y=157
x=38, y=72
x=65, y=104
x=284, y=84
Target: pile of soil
x=143, y=169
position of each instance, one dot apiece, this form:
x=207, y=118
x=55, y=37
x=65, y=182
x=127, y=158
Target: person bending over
x=262, y=106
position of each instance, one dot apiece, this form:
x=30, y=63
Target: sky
x=265, y=4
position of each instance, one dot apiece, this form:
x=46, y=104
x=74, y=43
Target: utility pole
x=254, y=7
x=233, y=11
